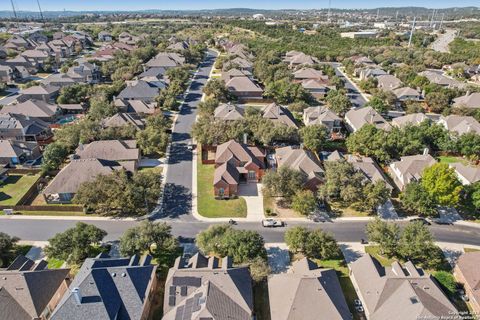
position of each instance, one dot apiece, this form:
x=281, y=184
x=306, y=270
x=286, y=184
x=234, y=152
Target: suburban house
x=295, y=59
x=207, y=288
x=136, y=106
x=20, y=61
x=465, y=173
x=60, y=80
x=279, y=115
x=108, y=288
x=139, y=90
x=309, y=74
x=369, y=72
x=239, y=63
x=178, y=46
x=466, y=272
x=303, y=161
x=46, y=93
x=64, y=186
x=8, y=74
x=122, y=119
x=37, y=58
x=125, y=152
x=460, y=124
x=471, y=101
x=232, y=73
x=84, y=72
x=236, y=163
x=357, y=118
x=398, y=292
x=409, y=119
x=128, y=38
x=318, y=89
x=104, y=36
x=437, y=77
x=228, y=112
x=23, y=128
x=308, y=293
x=410, y=168
x=166, y=60
x=244, y=88
x=29, y=290
x=322, y=115
x=388, y=82
x=157, y=72
x=34, y=109
x=13, y=152
x=405, y=94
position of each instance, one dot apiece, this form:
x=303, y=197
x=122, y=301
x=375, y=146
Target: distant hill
x=391, y=11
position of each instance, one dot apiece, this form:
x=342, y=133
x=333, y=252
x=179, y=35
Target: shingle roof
x=411, y=167
x=460, y=124
x=307, y=293
x=398, y=292
x=299, y=159
x=470, y=173
x=26, y=290
x=124, y=119
x=139, y=90
x=109, y=289
x=29, y=125
x=409, y=119
x=39, y=90
x=279, y=114
x=14, y=148
x=369, y=168
x=112, y=150
x=229, y=112
x=468, y=264
x=221, y=293
x=240, y=151
x=309, y=73
x=359, y=117
x=438, y=78
x=319, y=115
x=470, y=101
x=388, y=82
x=243, y=84
x=405, y=92
x=32, y=108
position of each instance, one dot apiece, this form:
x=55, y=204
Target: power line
x=40, y=9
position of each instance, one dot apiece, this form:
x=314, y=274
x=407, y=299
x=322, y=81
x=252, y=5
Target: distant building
x=359, y=34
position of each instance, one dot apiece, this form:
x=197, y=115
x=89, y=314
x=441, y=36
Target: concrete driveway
x=448, y=215
x=387, y=211
x=252, y=193
x=278, y=257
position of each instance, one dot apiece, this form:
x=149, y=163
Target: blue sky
x=31, y=5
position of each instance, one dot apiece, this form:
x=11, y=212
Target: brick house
x=466, y=272
x=236, y=163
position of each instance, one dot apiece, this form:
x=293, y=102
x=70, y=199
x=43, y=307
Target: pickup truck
x=272, y=223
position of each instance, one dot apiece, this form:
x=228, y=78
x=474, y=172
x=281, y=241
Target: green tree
x=437, y=101
x=342, y=183
x=321, y=245
x=53, y=156
x=259, y=269
x=100, y=108
x=374, y=195
x=441, y=184
x=7, y=248
x=416, y=243
x=75, y=244
x=338, y=102
x=207, y=107
x=209, y=241
x=447, y=281
x=304, y=202
x=378, y=104
x=385, y=234
x=284, y=182
x=154, y=139
x=416, y=199
x=296, y=238
x=154, y=238
x=314, y=137
x=469, y=145
x=475, y=195
x=216, y=89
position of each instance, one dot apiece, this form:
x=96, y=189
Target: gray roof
x=27, y=287
x=15, y=149
x=279, y=114
x=388, y=82
x=307, y=293
x=40, y=90
x=29, y=125
x=468, y=264
x=123, y=119
x=369, y=168
x=398, y=292
x=201, y=289
x=32, y=108
x=437, y=77
x=319, y=115
x=300, y=160
x=229, y=112
x=460, y=124
x=406, y=93
x=469, y=173
x=409, y=119
x=469, y=101
x=359, y=117
x=139, y=90
x=309, y=73
x=139, y=106
x=411, y=168
x=243, y=84
x=112, y=150
x=153, y=72
x=108, y=289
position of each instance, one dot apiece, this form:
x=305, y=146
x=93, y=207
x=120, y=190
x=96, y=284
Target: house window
x=221, y=192
x=252, y=175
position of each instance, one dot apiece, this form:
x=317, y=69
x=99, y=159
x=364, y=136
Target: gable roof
x=112, y=150
x=436, y=76
x=108, y=288
x=469, y=100
x=460, y=124
x=319, y=115
x=218, y=292
x=279, y=114
x=411, y=167
x=409, y=119
x=311, y=292
x=468, y=264
x=139, y=90
x=40, y=90
x=405, y=92
x=28, y=125
x=300, y=160
x=27, y=287
x=398, y=292
x=123, y=119
x=32, y=108
x=243, y=153
x=388, y=82
x=469, y=173
x=15, y=148
x=309, y=73
x=243, y=84
x=357, y=118
x=228, y=111
x=369, y=168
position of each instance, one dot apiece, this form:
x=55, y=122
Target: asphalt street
x=345, y=231
x=177, y=200
x=354, y=95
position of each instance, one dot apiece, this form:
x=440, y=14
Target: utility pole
x=378, y=12
x=411, y=32
x=40, y=9
x=433, y=15
x=396, y=17
x=329, y=9
x=441, y=22
x=15, y=14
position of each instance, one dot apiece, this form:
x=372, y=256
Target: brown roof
x=124, y=119
x=299, y=159
x=112, y=150
x=243, y=84
x=279, y=114
x=470, y=100
x=228, y=111
x=460, y=124
x=32, y=108
x=241, y=152
x=468, y=264
x=359, y=117
x=409, y=119
x=227, y=173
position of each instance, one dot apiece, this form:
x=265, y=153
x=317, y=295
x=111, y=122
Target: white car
x=272, y=223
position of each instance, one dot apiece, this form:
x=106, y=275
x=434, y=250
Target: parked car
x=272, y=223
x=422, y=220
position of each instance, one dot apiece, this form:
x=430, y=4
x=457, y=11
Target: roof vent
x=124, y=274
x=114, y=274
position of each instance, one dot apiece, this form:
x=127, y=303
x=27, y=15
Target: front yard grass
x=342, y=211
x=374, y=251
x=210, y=207
x=55, y=263
x=15, y=187
x=451, y=159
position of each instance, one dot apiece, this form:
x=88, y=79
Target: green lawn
x=340, y=266
x=55, y=263
x=15, y=187
x=448, y=160
x=210, y=207
x=374, y=251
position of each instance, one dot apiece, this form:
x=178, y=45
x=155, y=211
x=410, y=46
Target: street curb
x=364, y=96
x=66, y=218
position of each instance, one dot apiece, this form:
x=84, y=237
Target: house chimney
x=426, y=151
x=226, y=263
x=77, y=295
x=245, y=138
